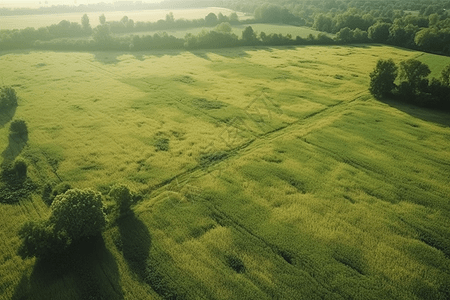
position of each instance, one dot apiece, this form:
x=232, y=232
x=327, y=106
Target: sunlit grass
x=289, y=180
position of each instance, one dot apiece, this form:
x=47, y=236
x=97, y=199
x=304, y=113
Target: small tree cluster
x=8, y=98
x=15, y=172
x=18, y=127
x=122, y=196
x=75, y=215
x=414, y=85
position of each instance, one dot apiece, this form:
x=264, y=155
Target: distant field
x=437, y=63
x=266, y=173
x=237, y=29
x=36, y=21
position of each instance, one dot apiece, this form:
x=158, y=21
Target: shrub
x=8, y=98
x=20, y=168
x=60, y=188
x=122, y=195
x=18, y=127
x=235, y=263
x=79, y=213
x=39, y=239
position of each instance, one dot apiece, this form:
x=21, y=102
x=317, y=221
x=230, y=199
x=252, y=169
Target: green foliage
x=224, y=27
x=18, y=127
x=248, y=35
x=379, y=32
x=102, y=34
x=39, y=239
x=102, y=19
x=47, y=196
x=60, y=188
x=235, y=263
x=162, y=144
x=414, y=72
x=85, y=24
x=20, y=168
x=211, y=20
x=274, y=13
x=345, y=35
x=382, y=78
x=445, y=75
x=122, y=195
x=8, y=98
x=79, y=213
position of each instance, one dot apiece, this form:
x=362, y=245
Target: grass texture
x=265, y=173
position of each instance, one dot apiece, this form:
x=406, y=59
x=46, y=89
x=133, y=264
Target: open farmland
x=294, y=31
x=265, y=173
x=36, y=21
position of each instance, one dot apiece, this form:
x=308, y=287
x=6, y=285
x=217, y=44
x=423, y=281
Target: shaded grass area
x=88, y=268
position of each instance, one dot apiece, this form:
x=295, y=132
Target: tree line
x=420, y=25
x=409, y=82
x=107, y=36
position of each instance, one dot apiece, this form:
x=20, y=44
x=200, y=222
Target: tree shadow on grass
x=6, y=115
x=16, y=144
x=439, y=117
x=135, y=243
x=86, y=271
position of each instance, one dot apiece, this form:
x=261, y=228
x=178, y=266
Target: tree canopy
x=79, y=213
x=382, y=78
x=75, y=215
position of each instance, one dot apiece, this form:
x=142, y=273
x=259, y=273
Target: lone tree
x=382, y=78
x=122, y=195
x=79, y=213
x=18, y=127
x=8, y=98
x=248, y=35
x=102, y=19
x=211, y=20
x=85, y=24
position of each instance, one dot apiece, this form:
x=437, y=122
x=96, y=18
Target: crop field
x=265, y=173
x=37, y=21
x=237, y=29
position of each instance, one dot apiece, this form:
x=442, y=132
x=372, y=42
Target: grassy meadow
x=237, y=29
x=37, y=21
x=265, y=173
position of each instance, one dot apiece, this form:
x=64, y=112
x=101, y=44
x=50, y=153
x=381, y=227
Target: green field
x=37, y=21
x=237, y=29
x=266, y=173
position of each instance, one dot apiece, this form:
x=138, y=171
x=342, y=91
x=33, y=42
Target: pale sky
x=37, y=3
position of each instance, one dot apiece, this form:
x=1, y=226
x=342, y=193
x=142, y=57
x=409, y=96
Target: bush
x=20, y=168
x=79, y=213
x=122, y=195
x=39, y=239
x=18, y=127
x=60, y=188
x=8, y=98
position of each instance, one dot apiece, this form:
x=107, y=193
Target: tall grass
x=264, y=173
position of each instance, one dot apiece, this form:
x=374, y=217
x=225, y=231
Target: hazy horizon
x=39, y=3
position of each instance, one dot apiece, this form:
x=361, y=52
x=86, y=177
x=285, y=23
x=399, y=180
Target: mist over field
x=43, y=3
